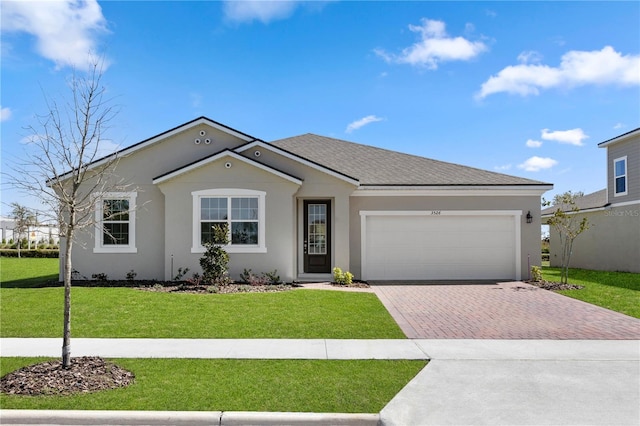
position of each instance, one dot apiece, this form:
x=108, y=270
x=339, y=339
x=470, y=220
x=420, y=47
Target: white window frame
x=197, y=247
x=625, y=176
x=99, y=246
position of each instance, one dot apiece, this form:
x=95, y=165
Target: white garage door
x=439, y=247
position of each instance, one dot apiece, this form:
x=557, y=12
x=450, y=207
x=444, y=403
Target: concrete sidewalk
x=467, y=382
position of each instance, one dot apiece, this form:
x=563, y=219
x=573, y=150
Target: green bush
x=30, y=253
x=342, y=278
x=215, y=261
x=536, y=273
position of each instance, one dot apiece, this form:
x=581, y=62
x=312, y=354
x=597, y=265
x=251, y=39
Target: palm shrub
x=215, y=260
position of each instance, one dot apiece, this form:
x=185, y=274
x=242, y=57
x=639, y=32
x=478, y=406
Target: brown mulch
x=550, y=285
x=86, y=374
x=217, y=289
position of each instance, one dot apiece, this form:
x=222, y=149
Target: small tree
x=568, y=225
x=62, y=168
x=215, y=261
x=24, y=219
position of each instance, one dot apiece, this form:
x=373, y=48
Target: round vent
x=197, y=141
x=207, y=141
x=257, y=153
x=202, y=133
x=227, y=165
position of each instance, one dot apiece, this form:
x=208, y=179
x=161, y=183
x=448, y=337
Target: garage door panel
x=440, y=247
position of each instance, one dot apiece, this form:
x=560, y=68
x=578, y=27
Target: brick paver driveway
x=499, y=311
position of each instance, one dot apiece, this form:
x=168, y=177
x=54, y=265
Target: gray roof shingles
x=376, y=166
x=589, y=201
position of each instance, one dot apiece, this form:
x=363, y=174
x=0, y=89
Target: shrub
x=536, y=273
x=215, y=260
x=272, y=277
x=342, y=278
x=181, y=273
x=131, y=275
x=100, y=277
x=30, y=253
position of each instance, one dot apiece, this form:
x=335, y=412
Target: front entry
x=317, y=236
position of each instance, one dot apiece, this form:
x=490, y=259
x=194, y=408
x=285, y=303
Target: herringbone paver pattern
x=500, y=311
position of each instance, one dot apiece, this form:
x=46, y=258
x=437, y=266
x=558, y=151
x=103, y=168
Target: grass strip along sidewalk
x=362, y=386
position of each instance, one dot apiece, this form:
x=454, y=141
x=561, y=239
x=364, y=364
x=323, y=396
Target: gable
x=224, y=156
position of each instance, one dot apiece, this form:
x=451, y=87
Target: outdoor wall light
x=529, y=217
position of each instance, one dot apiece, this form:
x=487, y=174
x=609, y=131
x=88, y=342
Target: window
x=620, y=176
x=115, y=223
x=240, y=210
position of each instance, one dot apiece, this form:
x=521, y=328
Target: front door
x=317, y=236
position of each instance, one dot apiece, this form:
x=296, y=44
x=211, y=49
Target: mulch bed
x=550, y=285
x=86, y=374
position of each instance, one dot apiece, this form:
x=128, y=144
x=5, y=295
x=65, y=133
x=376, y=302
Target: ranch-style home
x=305, y=204
x=612, y=243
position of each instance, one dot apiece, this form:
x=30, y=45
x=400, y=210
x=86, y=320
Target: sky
x=523, y=88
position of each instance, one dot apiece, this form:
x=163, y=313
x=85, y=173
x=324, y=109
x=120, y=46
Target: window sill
x=620, y=194
x=233, y=249
x=115, y=250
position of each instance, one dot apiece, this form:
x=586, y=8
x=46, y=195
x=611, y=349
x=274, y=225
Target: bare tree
x=64, y=167
x=569, y=225
x=24, y=218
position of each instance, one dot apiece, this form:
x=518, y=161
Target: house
x=612, y=243
x=42, y=232
x=305, y=204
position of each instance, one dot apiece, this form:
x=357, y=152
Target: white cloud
x=571, y=137
x=260, y=10
x=619, y=126
x=577, y=68
x=5, y=114
x=502, y=168
x=65, y=30
x=530, y=57
x=362, y=122
x=434, y=47
x=535, y=164
x=533, y=144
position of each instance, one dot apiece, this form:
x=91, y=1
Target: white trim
x=449, y=191
x=301, y=160
x=620, y=138
x=99, y=247
x=517, y=216
x=625, y=175
x=625, y=203
x=223, y=154
x=261, y=247
x=595, y=209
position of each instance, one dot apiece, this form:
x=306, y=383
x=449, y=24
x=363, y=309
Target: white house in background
x=304, y=204
x=41, y=232
x=613, y=241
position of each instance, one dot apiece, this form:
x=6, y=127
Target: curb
x=180, y=418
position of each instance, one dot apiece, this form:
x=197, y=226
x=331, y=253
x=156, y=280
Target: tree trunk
x=66, y=333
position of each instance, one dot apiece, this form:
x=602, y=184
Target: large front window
x=115, y=223
x=620, y=176
x=241, y=212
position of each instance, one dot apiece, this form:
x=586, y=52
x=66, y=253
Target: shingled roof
x=381, y=167
x=594, y=200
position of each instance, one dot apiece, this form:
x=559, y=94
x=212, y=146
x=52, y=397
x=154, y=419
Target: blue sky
x=523, y=88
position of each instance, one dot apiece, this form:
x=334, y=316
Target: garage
x=440, y=245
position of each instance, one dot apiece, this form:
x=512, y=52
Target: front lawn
x=27, y=272
x=360, y=386
x=125, y=312
x=618, y=291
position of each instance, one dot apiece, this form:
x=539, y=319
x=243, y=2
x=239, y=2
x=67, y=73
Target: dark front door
x=317, y=236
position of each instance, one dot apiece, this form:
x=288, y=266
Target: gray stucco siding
x=612, y=243
x=279, y=218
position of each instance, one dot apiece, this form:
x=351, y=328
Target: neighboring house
x=41, y=232
x=612, y=243
x=304, y=204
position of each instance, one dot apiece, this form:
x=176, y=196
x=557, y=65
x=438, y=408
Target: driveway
x=512, y=310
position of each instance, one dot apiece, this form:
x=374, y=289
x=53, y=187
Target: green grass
x=362, y=386
x=618, y=291
x=27, y=272
x=125, y=312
